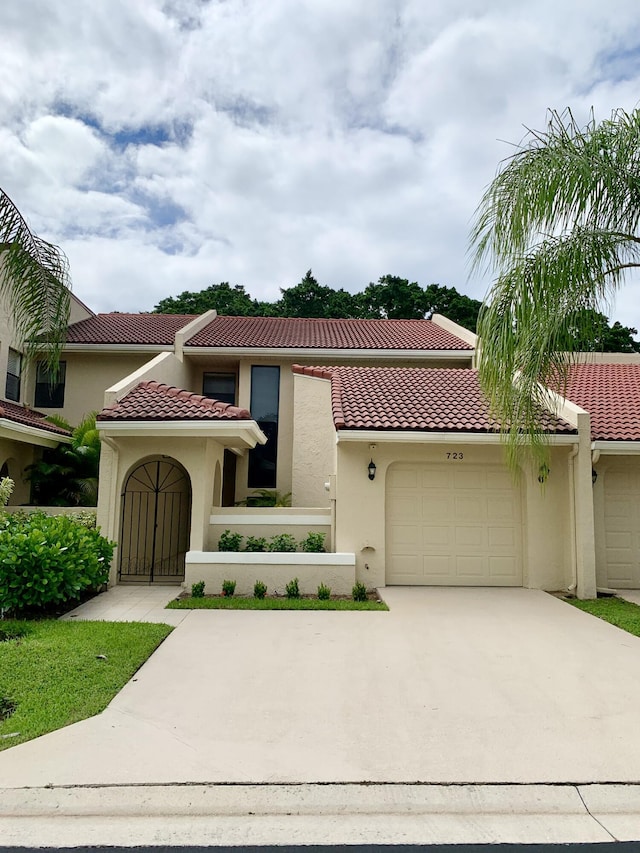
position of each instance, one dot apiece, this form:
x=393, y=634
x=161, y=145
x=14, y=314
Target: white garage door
x=453, y=524
x=622, y=526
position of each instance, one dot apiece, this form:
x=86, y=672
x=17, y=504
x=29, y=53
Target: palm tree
x=34, y=284
x=558, y=227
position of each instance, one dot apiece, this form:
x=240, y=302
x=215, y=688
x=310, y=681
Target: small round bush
x=259, y=589
x=359, y=592
x=49, y=559
x=324, y=592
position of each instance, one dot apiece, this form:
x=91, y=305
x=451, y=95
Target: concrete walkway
x=461, y=715
x=131, y=603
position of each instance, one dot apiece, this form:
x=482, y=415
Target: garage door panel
x=469, y=537
x=406, y=507
x=622, y=527
x=470, y=526
x=502, y=537
x=434, y=535
x=469, y=508
x=470, y=569
x=503, y=568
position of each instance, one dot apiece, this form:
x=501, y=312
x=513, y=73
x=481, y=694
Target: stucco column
x=108, y=509
x=202, y=480
x=584, y=517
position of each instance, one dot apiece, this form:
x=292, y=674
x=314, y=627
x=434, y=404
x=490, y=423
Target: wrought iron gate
x=156, y=512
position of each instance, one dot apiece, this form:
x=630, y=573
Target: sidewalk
x=216, y=815
x=131, y=603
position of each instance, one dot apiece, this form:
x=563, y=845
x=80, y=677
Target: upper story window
x=265, y=404
x=14, y=371
x=220, y=386
x=50, y=395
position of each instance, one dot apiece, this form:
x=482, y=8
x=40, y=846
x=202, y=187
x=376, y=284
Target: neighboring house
x=377, y=428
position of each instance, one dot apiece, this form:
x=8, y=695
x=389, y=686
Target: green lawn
x=240, y=603
x=53, y=675
x=618, y=612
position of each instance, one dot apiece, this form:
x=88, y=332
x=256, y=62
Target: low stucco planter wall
x=337, y=571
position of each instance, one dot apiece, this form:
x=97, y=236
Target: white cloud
x=168, y=144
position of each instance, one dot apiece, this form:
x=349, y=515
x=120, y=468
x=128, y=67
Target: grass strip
x=239, y=603
x=623, y=614
x=62, y=672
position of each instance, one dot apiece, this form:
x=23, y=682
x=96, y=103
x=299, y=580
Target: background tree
x=559, y=228
x=310, y=299
x=394, y=298
x=34, y=283
x=233, y=301
x=67, y=475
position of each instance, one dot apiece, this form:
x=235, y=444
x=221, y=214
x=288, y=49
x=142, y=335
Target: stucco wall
x=361, y=520
x=286, y=466
x=87, y=377
x=314, y=441
x=18, y=455
x=198, y=456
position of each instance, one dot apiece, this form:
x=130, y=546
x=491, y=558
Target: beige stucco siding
x=286, y=426
x=198, y=456
x=314, y=441
x=17, y=456
x=88, y=375
x=616, y=496
x=362, y=507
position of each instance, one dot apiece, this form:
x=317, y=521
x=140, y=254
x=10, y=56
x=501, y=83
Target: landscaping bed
x=273, y=602
x=55, y=673
x=623, y=614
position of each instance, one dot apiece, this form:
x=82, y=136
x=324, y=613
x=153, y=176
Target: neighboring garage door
x=453, y=524
x=622, y=526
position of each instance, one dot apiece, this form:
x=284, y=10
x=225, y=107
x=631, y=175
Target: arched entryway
x=156, y=513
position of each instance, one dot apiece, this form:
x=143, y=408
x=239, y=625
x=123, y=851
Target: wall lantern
x=371, y=468
x=594, y=476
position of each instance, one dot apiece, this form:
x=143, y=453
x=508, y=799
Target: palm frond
x=529, y=323
x=35, y=283
x=566, y=177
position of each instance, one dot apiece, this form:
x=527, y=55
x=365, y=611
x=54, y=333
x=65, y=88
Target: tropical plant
x=67, y=475
x=282, y=542
x=559, y=227
x=266, y=497
x=314, y=543
x=255, y=544
x=229, y=541
x=34, y=281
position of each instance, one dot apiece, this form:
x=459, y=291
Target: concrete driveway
x=452, y=685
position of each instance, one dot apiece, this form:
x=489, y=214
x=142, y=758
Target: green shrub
x=229, y=541
x=49, y=559
x=197, y=589
x=259, y=589
x=282, y=542
x=85, y=517
x=314, y=543
x=228, y=588
x=292, y=589
x=324, y=592
x=256, y=543
x=359, y=592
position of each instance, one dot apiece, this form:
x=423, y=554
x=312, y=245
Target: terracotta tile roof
x=28, y=417
x=116, y=328
x=154, y=401
x=410, y=398
x=611, y=395
x=308, y=333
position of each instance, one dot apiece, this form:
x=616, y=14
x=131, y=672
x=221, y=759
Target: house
x=378, y=430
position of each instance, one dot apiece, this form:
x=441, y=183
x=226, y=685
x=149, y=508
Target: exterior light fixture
x=594, y=476
x=371, y=468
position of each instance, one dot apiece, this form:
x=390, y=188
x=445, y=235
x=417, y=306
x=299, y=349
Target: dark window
x=14, y=369
x=50, y=395
x=265, y=393
x=220, y=386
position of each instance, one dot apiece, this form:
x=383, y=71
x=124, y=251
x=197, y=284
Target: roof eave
x=440, y=437
x=612, y=447
x=122, y=349
x=323, y=352
x=31, y=434
x=228, y=432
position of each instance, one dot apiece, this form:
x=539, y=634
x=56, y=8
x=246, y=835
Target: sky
x=166, y=145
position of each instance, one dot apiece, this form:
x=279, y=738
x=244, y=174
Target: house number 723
x=455, y=455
